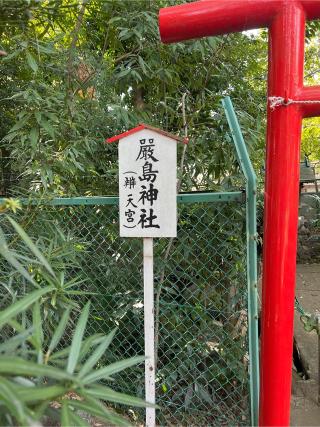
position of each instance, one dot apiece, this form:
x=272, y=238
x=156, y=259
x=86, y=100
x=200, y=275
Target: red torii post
x=289, y=101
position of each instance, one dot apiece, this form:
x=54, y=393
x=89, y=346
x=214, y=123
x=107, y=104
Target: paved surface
x=305, y=410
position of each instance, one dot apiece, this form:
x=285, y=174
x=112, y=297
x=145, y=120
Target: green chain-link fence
x=201, y=297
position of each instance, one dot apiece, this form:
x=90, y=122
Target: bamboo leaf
x=23, y=382
x=97, y=354
x=22, y=122
x=112, y=369
x=142, y=64
x=18, y=366
x=33, y=136
x=87, y=344
x=37, y=324
x=47, y=126
x=21, y=305
x=65, y=415
x=36, y=394
x=21, y=329
x=42, y=409
x=33, y=248
x=77, y=339
x=9, y=256
x=31, y=61
x=10, y=399
x=81, y=293
x=106, y=393
x=58, y=333
x=94, y=407
x=10, y=345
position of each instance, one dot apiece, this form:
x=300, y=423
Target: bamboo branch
x=168, y=249
x=75, y=36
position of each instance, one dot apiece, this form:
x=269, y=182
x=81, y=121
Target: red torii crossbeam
x=289, y=101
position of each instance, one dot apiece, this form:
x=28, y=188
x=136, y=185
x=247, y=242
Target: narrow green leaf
x=45, y=48
x=36, y=394
x=38, y=332
x=44, y=408
x=106, y=393
x=10, y=399
x=38, y=116
x=87, y=344
x=33, y=248
x=142, y=65
x=21, y=305
x=94, y=407
x=112, y=369
x=31, y=61
x=65, y=415
x=97, y=354
x=58, y=333
x=20, y=124
x=81, y=293
x=10, y=345
x=78, y=421
x=19, y=366
x=21, y=329
x=52, y=116
x=9, y=256
x=77, y=339
x=33, y=136
x=23, y=382
x=12, y=55
x=47, y=126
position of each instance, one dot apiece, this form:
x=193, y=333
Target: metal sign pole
x=149, y=329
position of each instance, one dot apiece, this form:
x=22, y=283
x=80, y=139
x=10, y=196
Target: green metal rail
x=251, y=202
x=236, y=196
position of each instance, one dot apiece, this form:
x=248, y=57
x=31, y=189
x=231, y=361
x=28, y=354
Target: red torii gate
x=289, y=101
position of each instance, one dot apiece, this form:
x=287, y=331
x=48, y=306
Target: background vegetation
x=79, y=71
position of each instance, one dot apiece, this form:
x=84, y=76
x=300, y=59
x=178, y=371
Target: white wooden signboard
x=147, y=185
x=148, y=209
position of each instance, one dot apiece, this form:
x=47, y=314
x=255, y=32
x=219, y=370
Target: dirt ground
x=305, y=410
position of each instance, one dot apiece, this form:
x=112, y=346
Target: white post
x=149, y=329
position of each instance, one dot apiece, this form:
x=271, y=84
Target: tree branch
x=75, y=36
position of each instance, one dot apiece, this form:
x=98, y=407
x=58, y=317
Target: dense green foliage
x=76, y=74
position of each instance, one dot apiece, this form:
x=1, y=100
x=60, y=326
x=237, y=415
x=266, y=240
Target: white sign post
x=148, y=209
x=150, y=368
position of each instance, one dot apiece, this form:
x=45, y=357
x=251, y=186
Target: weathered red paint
x=144, y=126
x=286, y=22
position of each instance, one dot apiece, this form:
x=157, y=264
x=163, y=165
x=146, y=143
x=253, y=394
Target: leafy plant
x=56, y=383
x=41, y=261
x=38, y=378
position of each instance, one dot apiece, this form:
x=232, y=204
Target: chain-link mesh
x=201, y=301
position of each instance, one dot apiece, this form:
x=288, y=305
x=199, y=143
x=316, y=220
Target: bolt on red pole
x=286, y=22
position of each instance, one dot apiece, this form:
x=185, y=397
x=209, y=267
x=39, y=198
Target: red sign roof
x=144, y=126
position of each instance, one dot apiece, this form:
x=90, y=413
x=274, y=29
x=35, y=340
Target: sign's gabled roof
x=142, y=126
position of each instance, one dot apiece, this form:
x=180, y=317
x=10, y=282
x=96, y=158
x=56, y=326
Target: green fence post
x=251, y=196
